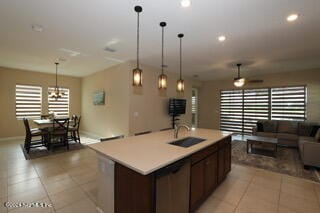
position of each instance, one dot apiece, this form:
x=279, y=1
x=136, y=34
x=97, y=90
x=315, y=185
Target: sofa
x=300, y=134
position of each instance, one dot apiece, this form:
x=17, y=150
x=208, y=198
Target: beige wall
x=9, y=125
x=149, y=106
x=209, y=95
x=112, y=118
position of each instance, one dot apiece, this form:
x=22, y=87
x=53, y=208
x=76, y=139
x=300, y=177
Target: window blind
x=60, y=106
x=288, y=103
x=28, y=101
x=255, y=107
x=231, y=110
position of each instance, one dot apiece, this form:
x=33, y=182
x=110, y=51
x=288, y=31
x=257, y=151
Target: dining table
x=45, y=123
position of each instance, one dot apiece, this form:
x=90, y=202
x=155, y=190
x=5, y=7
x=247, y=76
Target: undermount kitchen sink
x=187, y=142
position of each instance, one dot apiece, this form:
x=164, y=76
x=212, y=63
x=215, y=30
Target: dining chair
x=111, y=138
x=59, y=132
x=29, y=142
x=74, y=129
x=142, y=133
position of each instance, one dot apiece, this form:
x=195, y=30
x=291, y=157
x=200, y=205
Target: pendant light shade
x=56, y=93
x=180, y=82
x=137, y=72
x=239, y=81
x=162, y=80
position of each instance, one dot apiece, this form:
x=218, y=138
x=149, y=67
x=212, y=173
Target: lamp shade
x=137, y=77
x=180, y=85
x=162, y=81
x=239, y=82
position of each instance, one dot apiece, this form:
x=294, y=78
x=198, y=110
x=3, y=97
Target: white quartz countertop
x=148, y=153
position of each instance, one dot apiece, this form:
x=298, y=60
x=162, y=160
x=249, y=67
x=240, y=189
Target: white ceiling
x=257, y=35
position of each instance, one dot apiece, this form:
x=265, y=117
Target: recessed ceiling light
x=37, y=28
x=185, y=3
x=222, y=38
x=292, y=17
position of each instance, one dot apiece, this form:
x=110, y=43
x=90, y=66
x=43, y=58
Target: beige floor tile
x=59, y=186
x=215, y=205
x=299, y=191
x=91, y=190
x=46, y=180
x=299, y=182
x=24, y=186
x=67, y=197
x=3, y=209
x=51, y=171
x=255, y=205
x=85, y=178
x=263, y=193
x=31, y=195
x=298, y=204
x=282, y=209
x=17, y=171
x=22, y=177
x=3, y=188
x=3, y=173
x=267, y=182
x=82, y=206
x=231, y=191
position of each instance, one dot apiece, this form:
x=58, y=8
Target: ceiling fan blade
x=255, y=81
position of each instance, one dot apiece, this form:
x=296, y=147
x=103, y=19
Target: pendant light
x=162, y=81
x=56, y=93
x=239, y=81
x=180, y=82
x=137, y=72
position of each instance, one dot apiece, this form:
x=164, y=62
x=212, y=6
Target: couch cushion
x=290, y=127
x=269, y=126
x=259, y=126
x=266, y=134
x=317, y=137
x=287, y=136
x=314, y=130
x=303, y=139
x=305, y=128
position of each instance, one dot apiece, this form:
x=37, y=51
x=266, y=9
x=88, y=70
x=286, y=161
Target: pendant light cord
x=180, y=56
x=162, y=56
x=138, y=38
x=57, y=76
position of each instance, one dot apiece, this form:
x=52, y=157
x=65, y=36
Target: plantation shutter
x=28, y=101
x=60, y=106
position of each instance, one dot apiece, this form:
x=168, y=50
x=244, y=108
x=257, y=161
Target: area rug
x=42, y=151
x=287, y=161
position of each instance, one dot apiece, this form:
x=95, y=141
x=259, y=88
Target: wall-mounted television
x=177, y=106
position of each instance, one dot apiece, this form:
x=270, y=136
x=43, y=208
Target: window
x=288, y=103
x=194, y=107
x=60, y=106
x=241, y=109
x=28, y=101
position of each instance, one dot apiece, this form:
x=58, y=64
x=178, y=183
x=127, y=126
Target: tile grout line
x=243, y=194
x=278, y=206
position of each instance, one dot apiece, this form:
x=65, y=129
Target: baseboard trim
x=12, y=138
x=90, y=134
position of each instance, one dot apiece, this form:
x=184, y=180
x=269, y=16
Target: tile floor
x=67, y=181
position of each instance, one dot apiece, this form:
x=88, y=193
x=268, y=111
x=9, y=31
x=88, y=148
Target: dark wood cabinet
x=137, y=193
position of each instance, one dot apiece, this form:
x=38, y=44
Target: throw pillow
x=318, y=135
x=314, y=130
x=306, y=129
x=259, y=127
x=269, y=126
x=290, y=127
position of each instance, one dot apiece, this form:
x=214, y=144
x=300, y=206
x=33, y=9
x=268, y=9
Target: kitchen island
x=148, y=174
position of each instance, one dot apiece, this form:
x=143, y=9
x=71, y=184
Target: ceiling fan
x=240, y=81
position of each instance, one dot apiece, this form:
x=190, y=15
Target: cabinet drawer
x=196, y=157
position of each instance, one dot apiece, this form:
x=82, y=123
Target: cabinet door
x=211, y=173
x=197, y=186
x=221, y=164
x=227, y=161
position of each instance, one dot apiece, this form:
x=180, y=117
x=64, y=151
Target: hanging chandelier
x=137, y=72
x=162, y=80
x=239, y=81
x=180, y=82
x=56, y=93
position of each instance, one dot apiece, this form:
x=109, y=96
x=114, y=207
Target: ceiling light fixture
x=137, y=72
x=185, y=3
x=239, y=81
x=222, y=38
x=162, y=80
x=37, y=28
x=180, y=82
x=56, y=93
x=292, y=17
